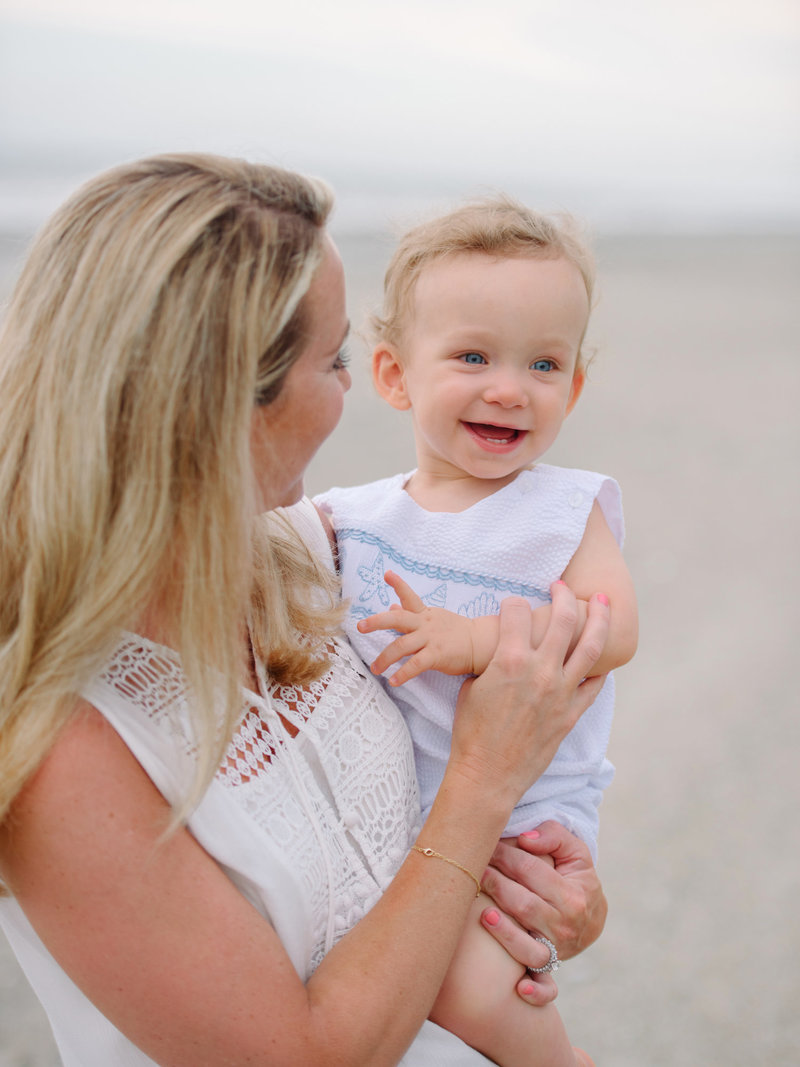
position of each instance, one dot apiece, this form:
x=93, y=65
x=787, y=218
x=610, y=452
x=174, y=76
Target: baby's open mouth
x=498, y=435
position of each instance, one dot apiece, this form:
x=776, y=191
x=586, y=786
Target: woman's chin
x=292, y=496
x=268, y=501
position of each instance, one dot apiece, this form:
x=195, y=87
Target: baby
x=484, y=316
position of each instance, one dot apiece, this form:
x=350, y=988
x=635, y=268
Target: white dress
x=311, y=829
x=517, y=541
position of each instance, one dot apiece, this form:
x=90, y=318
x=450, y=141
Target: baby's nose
x=506, y=389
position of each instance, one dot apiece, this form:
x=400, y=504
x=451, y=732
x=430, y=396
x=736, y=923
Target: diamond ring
x=552, y=964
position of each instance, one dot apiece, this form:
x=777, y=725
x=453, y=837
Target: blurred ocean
x=692, y=405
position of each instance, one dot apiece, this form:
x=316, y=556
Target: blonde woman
x=209, y=838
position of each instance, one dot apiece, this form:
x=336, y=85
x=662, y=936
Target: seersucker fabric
x=515, y=542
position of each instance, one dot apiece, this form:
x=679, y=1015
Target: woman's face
x=285, y=434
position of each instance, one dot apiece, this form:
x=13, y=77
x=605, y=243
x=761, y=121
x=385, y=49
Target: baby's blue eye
x=543, y=364
x=475, y=358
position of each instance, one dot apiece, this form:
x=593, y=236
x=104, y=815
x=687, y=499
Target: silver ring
x=552, y=964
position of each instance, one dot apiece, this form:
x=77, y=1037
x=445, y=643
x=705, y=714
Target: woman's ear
x=389, y=377
x=578, y=380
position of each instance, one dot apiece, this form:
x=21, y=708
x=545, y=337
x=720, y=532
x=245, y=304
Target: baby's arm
x=598, y=567
x=437, y=639
x=431, y=638
x=478, y=1002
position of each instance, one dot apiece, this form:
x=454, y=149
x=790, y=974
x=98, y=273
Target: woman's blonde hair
x=494, y=226
x=156, y=307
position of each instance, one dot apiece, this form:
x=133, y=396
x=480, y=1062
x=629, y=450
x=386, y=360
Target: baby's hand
x=431, y=638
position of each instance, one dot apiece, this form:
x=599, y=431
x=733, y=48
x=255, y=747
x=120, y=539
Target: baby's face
x=489, y=356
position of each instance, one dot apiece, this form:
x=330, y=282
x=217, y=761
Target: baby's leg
x=478, y=1001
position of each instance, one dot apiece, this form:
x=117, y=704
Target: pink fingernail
x=527, y=989
x=491, y=917
x=561, y=582
x=531, y=833
x=603, y=598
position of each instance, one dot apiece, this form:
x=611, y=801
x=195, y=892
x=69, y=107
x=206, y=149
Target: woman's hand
x=547, y=882
x=536, y=989
x=510, y=721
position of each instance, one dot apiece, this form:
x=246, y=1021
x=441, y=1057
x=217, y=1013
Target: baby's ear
x=578, y=380
x=389, y=377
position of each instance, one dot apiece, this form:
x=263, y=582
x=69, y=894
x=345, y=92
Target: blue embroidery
x=430, y=570
x=436, y=599
x=374, y=584
x=485, y=604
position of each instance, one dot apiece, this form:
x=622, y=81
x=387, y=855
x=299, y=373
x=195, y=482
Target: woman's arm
x=161, y=941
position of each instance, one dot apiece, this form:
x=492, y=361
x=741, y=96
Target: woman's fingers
x=512, y=659
x=523, y=885
x=537, y=989
x=591, y=641
x=586, y=694
x=525, y=949
x=563, y=620
x=512, y=718
x=515, y=625
x=565, y=902
x=560, y=633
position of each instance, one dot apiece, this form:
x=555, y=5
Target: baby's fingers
x=407, y=645
x=413, y=666
x=406, y=595
x=393, y=619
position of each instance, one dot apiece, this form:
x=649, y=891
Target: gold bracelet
x=439, y=856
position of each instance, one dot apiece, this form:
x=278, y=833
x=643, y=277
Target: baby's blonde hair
x=156, y=307
x=497, y=226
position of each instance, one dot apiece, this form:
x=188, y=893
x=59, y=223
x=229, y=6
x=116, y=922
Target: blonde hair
x=496, y=226
x=157, y=305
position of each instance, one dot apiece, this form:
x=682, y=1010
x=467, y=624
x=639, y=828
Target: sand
x=691, y=404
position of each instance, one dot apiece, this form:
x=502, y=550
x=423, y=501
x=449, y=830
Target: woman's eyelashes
x=342, y=358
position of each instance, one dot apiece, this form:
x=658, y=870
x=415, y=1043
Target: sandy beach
x=692, y=405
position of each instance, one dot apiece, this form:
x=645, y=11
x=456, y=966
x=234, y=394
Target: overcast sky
x=623, y=108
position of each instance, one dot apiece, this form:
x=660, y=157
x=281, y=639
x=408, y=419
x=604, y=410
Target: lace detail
x=339, y=799
x=150, y=677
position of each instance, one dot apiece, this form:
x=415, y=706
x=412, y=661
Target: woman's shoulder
x=341, y=500
x=88, y=760
x=309, y=525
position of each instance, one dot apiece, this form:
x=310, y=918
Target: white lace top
x=310, y=828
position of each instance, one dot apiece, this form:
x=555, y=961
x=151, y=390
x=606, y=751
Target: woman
x=177, y=765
